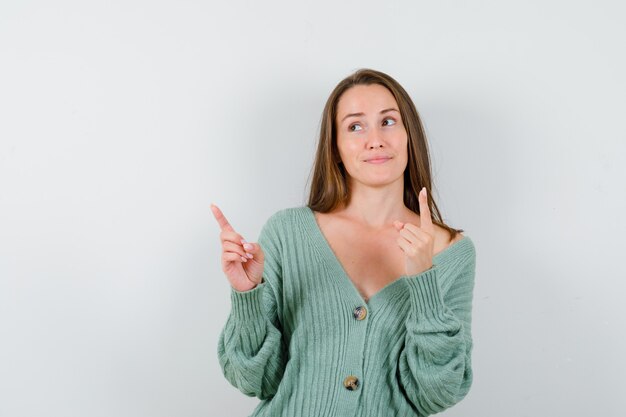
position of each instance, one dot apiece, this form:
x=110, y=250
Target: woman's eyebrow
x=363, y=114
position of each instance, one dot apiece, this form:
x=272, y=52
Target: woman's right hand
x=244, y=272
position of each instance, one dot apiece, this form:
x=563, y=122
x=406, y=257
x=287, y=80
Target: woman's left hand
x=418, y=242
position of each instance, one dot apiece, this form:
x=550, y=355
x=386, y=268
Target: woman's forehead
x=365, y=99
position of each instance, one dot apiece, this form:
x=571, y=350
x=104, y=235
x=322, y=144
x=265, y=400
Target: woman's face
x=369, y=126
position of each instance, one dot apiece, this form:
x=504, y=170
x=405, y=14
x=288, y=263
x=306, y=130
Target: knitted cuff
x=247, y=305
x=425, y=292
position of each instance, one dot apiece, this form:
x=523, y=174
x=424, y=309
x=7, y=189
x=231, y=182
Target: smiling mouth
x=377, y=160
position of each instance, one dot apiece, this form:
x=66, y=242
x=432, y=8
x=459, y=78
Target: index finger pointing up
x=426, y=222
x=221, y=219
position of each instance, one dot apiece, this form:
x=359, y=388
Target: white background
x=121, y=121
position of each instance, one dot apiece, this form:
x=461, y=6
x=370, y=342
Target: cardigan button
x=360, y=312
x=351, y=383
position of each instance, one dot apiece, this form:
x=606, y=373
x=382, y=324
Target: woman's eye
x=393, y=122
x=354, y=127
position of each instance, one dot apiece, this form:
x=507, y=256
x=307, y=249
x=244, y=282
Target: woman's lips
x=378, y=160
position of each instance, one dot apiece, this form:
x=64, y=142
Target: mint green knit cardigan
x=294, y=339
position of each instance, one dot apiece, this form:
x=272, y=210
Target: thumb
x=398, y=225
x=250, y=247
x=253, y=248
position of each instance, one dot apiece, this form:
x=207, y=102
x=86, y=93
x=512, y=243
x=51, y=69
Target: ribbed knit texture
x=293, y=339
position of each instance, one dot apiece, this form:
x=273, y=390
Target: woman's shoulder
x=458, y=250
x=287, y=218
x=443, y=238
x=288, y=213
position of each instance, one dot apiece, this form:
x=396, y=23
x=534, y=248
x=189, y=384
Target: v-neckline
x=333, y=261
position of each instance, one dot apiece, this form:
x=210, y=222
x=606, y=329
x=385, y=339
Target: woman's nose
x=373, y=139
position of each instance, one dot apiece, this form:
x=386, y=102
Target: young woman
x=359, y=303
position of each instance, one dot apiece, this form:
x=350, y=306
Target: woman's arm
x=251, y=348
x=435, y=364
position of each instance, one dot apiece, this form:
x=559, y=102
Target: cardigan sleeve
x=435, y=367
x=251, y=349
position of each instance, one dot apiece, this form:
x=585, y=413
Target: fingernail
x=249, y=255
x=243, y=241
x=244, y=259
x=247, y=246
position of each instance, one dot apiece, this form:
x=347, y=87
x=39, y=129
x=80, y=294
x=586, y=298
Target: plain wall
x=121, y=121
